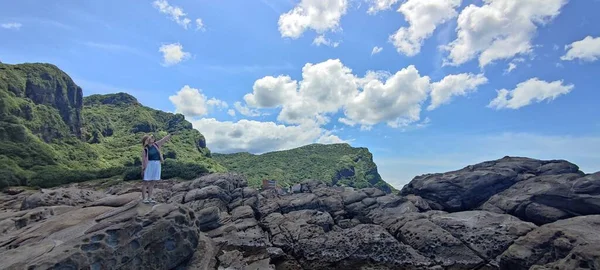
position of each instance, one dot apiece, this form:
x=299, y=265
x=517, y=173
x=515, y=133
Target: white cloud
x=423, y=16
x=454, y=85
x=319, y=15
x=231, y=112
x=175, y=13
x=270, y=92
x=532, y=90
x=12, y=25
x=380, y=5
x=500, y=29
x=325, y=88
x=245, y=110
x=322, y=40
x=193, y=103
x=200, y=25
x=376, y=50
x=173, y=54
x=213, y=102
x=329, y=87
x=513, y=65
x=397, y=101
x=259, y=137
x=587, y=49
x=424, y=123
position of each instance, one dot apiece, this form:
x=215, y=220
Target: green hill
x=338, y=164
x=50, y=134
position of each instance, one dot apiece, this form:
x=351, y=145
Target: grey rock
x=159, y=237
x=60, y=196
x=566, y=244
x=242, y=212
x=486, y=234
x=548, y=198
x=468, y=188
x=360, y=246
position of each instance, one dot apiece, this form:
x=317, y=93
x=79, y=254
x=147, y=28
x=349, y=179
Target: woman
x=151, y=164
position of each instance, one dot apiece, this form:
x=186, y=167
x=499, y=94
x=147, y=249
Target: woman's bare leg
x=150, y=189
x=144, y=189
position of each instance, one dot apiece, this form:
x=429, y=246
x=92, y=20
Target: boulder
x=101, y=237
x=548, y=198
x=361, y=247
x=566, y=244
x=486, y=234
x=468, y=188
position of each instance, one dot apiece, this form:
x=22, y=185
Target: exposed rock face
x=217, y=222
x=131, y=236
x=468, y=188
x=567, y=244
x=549, y=198
x=60, y=196
x=47, y=85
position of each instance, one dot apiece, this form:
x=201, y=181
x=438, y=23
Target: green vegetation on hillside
x=337, y=164
x=51, y=135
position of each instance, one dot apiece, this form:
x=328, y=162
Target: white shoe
x=146, y=201
x=152, y=201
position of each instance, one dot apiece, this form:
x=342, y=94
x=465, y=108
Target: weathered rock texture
x=109, y=235
x=513, y=213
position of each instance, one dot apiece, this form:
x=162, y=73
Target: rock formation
x=45, y=84
x=512, y=213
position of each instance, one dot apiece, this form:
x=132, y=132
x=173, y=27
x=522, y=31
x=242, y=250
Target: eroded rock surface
x=60, y=196
x=481, y=217
x=135, y=236
x=548, y=198
x=566, y=244
x=468, y=188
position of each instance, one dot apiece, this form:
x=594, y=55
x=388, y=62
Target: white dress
x=152, y=172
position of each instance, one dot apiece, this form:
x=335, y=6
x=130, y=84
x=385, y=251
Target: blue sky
x=427, y=86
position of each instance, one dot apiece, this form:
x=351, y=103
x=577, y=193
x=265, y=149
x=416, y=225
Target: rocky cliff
x=335, y=164
x=50, y=90
x=493, y=215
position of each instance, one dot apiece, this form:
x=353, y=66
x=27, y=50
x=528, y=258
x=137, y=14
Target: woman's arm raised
x=164, y=140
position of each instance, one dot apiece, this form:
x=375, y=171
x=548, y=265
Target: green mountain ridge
x=335, y=164
x=50, y=134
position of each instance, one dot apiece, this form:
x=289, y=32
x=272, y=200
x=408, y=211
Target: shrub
x=51, y=176
x=110, y=172
x=11, y=178
x=188, y=171
x=170, y=169
x=54, y=175
x=132, y=173
x=11, y=174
